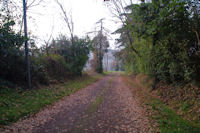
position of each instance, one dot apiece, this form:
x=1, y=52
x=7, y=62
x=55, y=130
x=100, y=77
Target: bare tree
x=47, y=41
x=15, y=10
x=117, y=8
x=33, y=3
x=100, y=45
x=26, y=47
x=68, y=20
x=29, y=6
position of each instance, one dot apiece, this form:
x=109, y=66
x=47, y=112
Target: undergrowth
x=163, y=116
x=15, y=104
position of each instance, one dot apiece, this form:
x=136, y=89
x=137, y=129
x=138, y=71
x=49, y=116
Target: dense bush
x=39, y=74
x=175, y=55
x=75, y=55
x=12, y=58
x=63, y=60
x=165, y=36
x=45, y=68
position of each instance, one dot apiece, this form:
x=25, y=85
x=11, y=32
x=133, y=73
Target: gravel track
x=107, y=106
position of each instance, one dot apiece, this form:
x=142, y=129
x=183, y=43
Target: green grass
x=95, y=105
x=169, y=121
x=15, y=104
x=110, y=72
x=99, y=99
x=167, y=118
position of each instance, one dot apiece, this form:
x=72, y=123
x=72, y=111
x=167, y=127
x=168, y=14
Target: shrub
x=75, y=55
x=12, y=58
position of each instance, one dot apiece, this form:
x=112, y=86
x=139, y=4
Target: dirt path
x=108, y=106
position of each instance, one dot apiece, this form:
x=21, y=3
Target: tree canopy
x=165, y=38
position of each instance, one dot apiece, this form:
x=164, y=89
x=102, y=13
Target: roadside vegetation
x=167, y=113
x=56, y=68
x=15, y=103
x=160, y=43
x=161, y=40
x=159, y=47
x=57, y=61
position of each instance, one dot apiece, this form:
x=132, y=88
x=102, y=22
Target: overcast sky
x=85, y=14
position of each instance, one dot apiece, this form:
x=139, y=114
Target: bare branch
x=117, y=9
x=34, y=3
x=68, y=20
x=48, y=40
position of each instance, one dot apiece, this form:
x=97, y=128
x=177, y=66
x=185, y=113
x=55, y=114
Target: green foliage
x=100, y=45
x=166, y=36
x=172, y=63
x=75, y=55
x=15, y=104
x=175, y=57
x=11, y=56
x=63, y=59
x=39, y=73
x=173, y=111
x=169, y=121
x=55, y=65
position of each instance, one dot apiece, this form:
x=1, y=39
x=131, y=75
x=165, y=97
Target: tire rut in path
x=74, y=115
x=107, y=106
x=114, y=110
x=119, y=112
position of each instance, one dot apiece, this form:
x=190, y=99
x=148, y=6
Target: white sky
x=85, y=14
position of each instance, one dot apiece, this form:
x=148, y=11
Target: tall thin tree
x=28, y=74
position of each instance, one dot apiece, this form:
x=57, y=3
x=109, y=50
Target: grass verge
x=111, y=72
x=163, y=117
x=99, y=99
x=95, y=105
x=15, y=104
